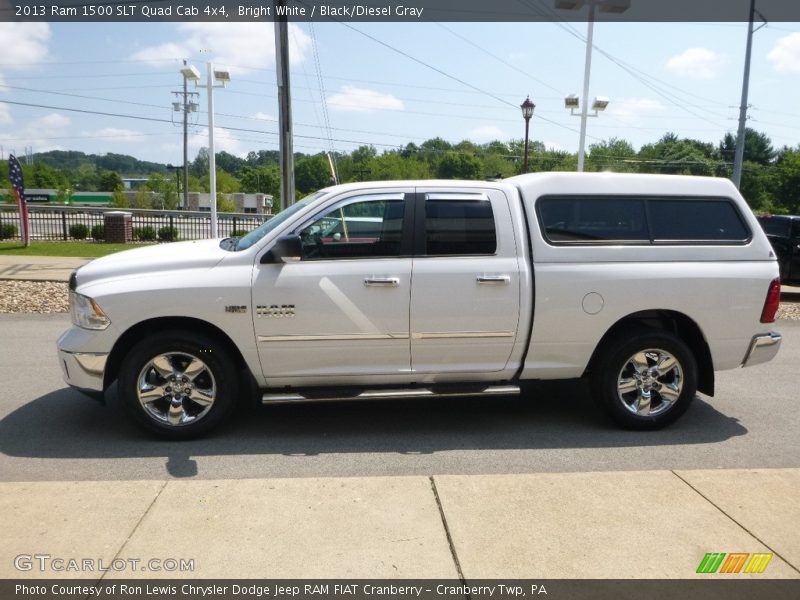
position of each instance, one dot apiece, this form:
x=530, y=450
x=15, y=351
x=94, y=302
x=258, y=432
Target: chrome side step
x=391, y=394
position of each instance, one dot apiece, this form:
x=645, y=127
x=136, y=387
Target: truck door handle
x=382, y=281
x=494, y=279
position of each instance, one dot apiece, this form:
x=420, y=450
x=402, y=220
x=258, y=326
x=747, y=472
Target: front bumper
x=83, y=370
x=762, y=348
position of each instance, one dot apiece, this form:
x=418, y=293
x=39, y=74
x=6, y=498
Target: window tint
x=368, y=229
x=594, y=219
x=459, y=227
x=696, y=220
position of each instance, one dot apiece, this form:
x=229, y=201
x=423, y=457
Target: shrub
x=167, y=234
x=78, y=231
x=98, y=232
x=7, y=231
x=239, y=232
x=144, y=234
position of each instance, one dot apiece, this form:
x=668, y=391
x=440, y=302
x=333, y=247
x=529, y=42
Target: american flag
x=15, y=175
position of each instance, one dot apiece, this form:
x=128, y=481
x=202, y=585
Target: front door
x=343, y=310
x=465, y=289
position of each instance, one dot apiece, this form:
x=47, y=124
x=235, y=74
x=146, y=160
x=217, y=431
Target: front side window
x=459, y=227
x=362, y=229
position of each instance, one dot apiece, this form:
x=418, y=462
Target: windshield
x=258, y=233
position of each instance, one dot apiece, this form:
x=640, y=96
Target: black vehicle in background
x=783, y=232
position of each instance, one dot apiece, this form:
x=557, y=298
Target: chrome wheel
x=650, y=382
x=176, y=388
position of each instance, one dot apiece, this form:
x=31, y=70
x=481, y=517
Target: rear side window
x=594, y=219
x=775, y=226
x=459, y=227
x=696, y=220
x=640, y=220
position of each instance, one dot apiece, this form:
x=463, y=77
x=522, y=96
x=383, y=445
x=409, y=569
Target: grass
x=79, y=249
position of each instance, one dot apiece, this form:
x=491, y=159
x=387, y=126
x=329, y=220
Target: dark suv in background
x=783, y=232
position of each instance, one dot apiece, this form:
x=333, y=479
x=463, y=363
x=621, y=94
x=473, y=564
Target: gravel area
x=51, y=297
x=33, y=296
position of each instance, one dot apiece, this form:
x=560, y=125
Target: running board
x=391, y=394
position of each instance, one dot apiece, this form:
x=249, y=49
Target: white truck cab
x=647, y=284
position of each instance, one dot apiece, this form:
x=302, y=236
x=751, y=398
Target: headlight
x=86, y=313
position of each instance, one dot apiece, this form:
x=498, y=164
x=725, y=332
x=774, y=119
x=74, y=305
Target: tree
x=225, y=204
x=614, y=154
x=757, y=147
x=118, y=199
x=142, y=199
x=312, y=173
x=165, y=195
x=458, y=165
x=108, y=181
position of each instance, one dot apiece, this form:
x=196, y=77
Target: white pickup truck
x=645, y=284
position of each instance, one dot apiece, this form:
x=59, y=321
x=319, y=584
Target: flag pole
x=17, y=182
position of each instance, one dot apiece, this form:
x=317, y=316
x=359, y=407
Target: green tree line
x=770, y=181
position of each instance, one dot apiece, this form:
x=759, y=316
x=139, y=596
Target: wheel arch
x=666, y=320
x=158, y=324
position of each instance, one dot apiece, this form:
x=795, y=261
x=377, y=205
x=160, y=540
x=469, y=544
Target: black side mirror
x=287, y=249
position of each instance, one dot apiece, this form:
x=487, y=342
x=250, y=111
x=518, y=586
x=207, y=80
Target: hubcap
x=176, y=388
x=650, y=382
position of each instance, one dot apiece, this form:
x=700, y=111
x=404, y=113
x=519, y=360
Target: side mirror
x=287, y=249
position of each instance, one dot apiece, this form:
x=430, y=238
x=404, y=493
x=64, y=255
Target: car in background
x=783, y=232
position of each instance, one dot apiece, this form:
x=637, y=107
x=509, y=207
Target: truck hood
x=197, y=254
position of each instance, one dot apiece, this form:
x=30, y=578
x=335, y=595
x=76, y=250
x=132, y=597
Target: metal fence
x=64, y=223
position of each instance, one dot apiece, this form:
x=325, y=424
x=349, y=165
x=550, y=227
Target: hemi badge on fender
x=235, y=308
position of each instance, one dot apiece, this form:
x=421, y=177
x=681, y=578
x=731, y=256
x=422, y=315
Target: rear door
x=465, y=293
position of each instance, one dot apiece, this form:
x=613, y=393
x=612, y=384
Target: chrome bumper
x=762, y=348
x=83, y=370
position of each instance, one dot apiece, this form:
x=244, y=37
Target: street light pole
x=286, y=155
x=586, y=73
x=527, y=112
x=185, y=144
x=212, y=159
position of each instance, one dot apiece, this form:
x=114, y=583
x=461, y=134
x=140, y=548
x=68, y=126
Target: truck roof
x=589, y=183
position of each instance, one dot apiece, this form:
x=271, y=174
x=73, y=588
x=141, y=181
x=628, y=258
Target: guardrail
x=49, y=223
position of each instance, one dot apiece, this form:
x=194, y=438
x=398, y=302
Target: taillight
x=772, y=302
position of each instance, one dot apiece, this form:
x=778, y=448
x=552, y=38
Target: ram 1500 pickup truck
x=644, y=284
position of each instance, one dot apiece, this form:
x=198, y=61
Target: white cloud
x=117, y=134
x=5, y=114
x=633, y=110
x=351, y=98
x=486, y=133
x=264, y=117
x=24, y=44
x=228, y=44
x=224, y=140
x=785, y=56
x=696, y=63
x=38, y=133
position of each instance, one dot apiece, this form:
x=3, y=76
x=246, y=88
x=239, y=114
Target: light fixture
x=600, y=103
x=191, y=73
x=572, y=102
x=570, y=4
x=222, y=75
x=614, y=6
x=527, y=108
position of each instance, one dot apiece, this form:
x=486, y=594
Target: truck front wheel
x=645, y=379
x=178, y=384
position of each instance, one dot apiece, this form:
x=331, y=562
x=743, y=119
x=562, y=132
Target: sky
x=388, y=84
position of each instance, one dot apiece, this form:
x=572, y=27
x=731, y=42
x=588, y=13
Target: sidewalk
x=39, y=268
x=652, y=524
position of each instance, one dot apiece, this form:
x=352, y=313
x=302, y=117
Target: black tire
x=616, y=371
x=212, y=375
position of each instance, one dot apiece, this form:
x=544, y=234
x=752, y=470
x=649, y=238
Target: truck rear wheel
x=178, y=384
x=645, y=379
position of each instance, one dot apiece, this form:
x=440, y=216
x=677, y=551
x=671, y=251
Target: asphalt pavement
x=51, y=433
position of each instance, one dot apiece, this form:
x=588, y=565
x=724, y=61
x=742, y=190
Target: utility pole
x=284, y=107
x=186, y=106
x=740, y=135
